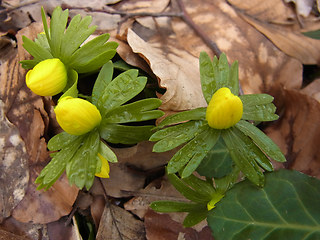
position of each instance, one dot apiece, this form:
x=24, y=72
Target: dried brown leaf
x=313, y=89
x=297, y=132
x=287, y=37
x=162, y=227
x=117, y=223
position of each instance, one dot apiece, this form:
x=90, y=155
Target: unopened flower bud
x=48, y=77
x=105, y=169
x=224, y=110
x=77, y=116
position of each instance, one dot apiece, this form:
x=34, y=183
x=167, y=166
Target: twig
x=187, y=19
x=183, y=15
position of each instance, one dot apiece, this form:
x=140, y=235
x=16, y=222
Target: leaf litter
x=263, y=40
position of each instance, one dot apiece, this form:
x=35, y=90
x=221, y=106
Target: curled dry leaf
x=297, y=132
x=285, y=34
x=117, y=223
x=313, y=89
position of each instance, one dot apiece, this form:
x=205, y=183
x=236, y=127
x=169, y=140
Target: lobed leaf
x=245, y=154
x=81, y=168
x=123, y=88
x=57, y=165
x=172, y=137
x=36, y=50
x=194, y=114
x=195, y=217
x=207, y=75
x=58, y=25
x=233, y=81
x=71, y=88
x=193, y=152
x=286, y=208
x=103, y=79
x=115, y=133
x=262, y=140
x=189, y=193
x=107, y=153
x=217, y=163
x=200, y=185
x=60, y=141
x=135, y=112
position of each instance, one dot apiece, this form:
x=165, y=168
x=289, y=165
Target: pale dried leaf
x=303, y=7
x=117, y=223
x=176, y=70
x=138, y=6
x=313, y=89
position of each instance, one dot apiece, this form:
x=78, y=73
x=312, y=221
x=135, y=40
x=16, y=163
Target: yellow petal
x=77, y=116
x=105, y=169
x=224, y=110
x=47, y=78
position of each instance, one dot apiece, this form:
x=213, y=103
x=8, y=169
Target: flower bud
x=224, y=109
x=77, y=116
x=48, y=77
x=105, y=169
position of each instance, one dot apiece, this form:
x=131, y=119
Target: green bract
x=68, y=44
x=78, y=155
x=248, y=146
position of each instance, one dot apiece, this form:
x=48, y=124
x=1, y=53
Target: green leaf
x=217, y=163
x=286, y=208
x=42, y=41
x=58, y=163
x=36, y=50
x=200, y=185
x=77, y=32
x=115, y=133
x=192, y=194
x=58, y=25
x=135, y=112
x=173, y=206
x=81, y=168
x=172, y=137
x=107, y=153
x=193, y=152
x=204, y=143
x=195, y=217
x=245, y=154
x=194, y=114
x=45, y=25
x=71, y=88
x=92, y=55
x=312, y=34
x=224, y=184
x=233, y=81
x=60, y=141
x=262, y=140
x=27, y=64
x=258, y=107
x=103, y=79
x=123, y=88
x=207, y=75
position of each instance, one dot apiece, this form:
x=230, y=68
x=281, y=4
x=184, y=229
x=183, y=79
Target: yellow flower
x=77, y=116
x=47, y=78
x=212, y=204
x=224, y=109
x=105, y=169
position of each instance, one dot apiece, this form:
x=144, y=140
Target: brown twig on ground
x=182, y=14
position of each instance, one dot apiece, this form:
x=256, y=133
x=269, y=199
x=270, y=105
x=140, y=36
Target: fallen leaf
x=162, y=227
x=139, y=204
x=117, y=223
x=297, y=132
x=171, y=49
x=287, y=37
x=303, y=7
x=313, y=89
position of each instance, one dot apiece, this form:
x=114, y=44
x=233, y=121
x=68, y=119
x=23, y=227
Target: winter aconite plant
x=222, y=127
x=59, y=56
